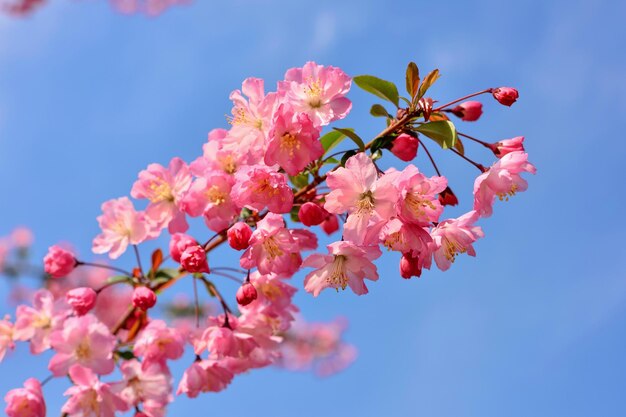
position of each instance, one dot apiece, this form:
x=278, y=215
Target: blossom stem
x=112, y=268
x=48, y=379
x=432, y=161
x=222, y=274
x=476, y=164
x=138, y=260
x=485, y=144
x=226, y=268
x=488, y=90
x=215, y=292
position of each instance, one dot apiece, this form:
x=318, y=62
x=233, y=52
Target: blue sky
x=533, y=326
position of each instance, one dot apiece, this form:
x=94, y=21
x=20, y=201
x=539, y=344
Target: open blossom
x=217, y=155
x=345, y=265
x=454, y=236
x=358, y=190
x=272, y=248
x=209, y=195
x=223, y=341
x=293, y=141
x=6, y=336
x=150, y=385
x=27, y=401
x=419, y=202
x=59, y=262
x=259, y=186
x=502, y=180
x=507, y=146
x=318, y=91
x=157, y=342
x=165, y=188
x=121, y=226
x=89, y=397
x=405, y=237
x=84, y=341
x=204, y=376
x=36, y=323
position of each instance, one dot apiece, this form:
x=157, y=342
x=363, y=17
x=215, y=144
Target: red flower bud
x=470, y=111
x=144, y=298
x=312, y=214
x=447, y=198
x=330, y=225
x=405, y=147
x=506, y=95
x=246, y=294
x=193, y=259
x=59, y=262
x=239, y=235
x=179, y=243
x=81, y=299
x=410, y=266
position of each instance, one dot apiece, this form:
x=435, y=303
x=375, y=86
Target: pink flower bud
x=81, y=299
x=246, y=294
x=27, y=401
x=194, y=259
x=179, y=243
x=470, y=111
x=506, y=95
x=507, y=146
x=404, y=147
x=239, y=235
x=409, y=266
x=312, y=214
x=330, y=225
x=140, y=414
x=144, y=298
x=59, y=262
x=448, y=198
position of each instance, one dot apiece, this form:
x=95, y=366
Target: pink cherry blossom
x=6, y=336
x=27, y=401
x=165, y=188
x=89, y=397
x=419, y=202
x=204, y=376
x=157, y=342
x=209, y=195
x=502, y=180
x=454, y=236
x=259, y=186
x=405, y=237
x=346, y=265
x=36, y=323
x=59, y=262
x=318, y=91
x=121, y=226
x=150, y=385
x=223, y=341
x=293, y=141
x=84, y=341
x=219, y=155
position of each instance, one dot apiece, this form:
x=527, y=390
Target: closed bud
x=246, y=294
x=330, y=225
x=505, y=95
x=81, y=299
x=59, y=262
x=239, y=235
x=405, y=147
x=470, y=111
x=179, y=243
x=448, y=198
x=312, y=214
x=507, y=146
x=409, y=266
x=193, y=259
x=144, y=298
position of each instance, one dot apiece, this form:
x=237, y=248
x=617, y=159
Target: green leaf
x=333, y=161
x=412, y=79
x=331, y=139
x=379, y=111
x=168, y=273
x=428, y=82
x=381, y=143
x=293, y=214
x=442, y=132
x=300, y=180
x=379, y=87
x=119, y=278
x=126, y=354
x=355, y=138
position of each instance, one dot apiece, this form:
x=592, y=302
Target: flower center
x=272, y=249
x=337, y=277
x=313, y=90
x=451, y=248
x=417, y=204
x=290, y=143
x=83, y=351
x=160, y=191
x=366, y=203
x=505, y=196
x=215, y=195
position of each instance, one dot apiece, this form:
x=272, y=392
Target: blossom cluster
x=262, y=187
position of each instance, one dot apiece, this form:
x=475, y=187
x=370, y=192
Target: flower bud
x=507, y=146
x=140, y=414
x=144, y=298
x=405, y=147
x=81, y=299
x=59, y=262
x=470, y=111
x=312, y=214
x=448, y=198
x=505, y=95
x=193, y=259
x=330, y=225
x=246, y=294
x=409, y=266
x=179, y=243
x=27, y=401
x=239, y=235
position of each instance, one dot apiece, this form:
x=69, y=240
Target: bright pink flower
x=506, y=95
x=59, y=262
x=89, y=397
x=404, y=237
x=358, y=190
x=27, y=401
x=35, y=324
x=507, y=146
x=6, y=336
x=259, y=186
x=165, y=188
x=346, y=265
x=293, y=141
x=150, y=385
x=318, y=91
x=419, y=202
x=144, y=298
x=204, y=376
x=178, y=243
x=502, y=180
x=210, y=196
x=84, y=341
x=454, y=236
x=81, y=299
x=194, y=259
x=121, y=225
x=311, y=214
x=470, y=111
x=239, y=236
x=246, y=294
x=271, y=248
x=157, y=342
x=305, y=239
x=405, y=147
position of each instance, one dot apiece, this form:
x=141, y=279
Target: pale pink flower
x=209, y=195
x=157, y=342
x=27, y=401
x=293, y=141
x=418, y=196
x=358, y=190
x=84, y=341
x=405, y=147
x=454, y=236
x=89, y=397
x=150, y=385
x=502, y=180
x=121, y=226
x=35, y=324
x=6, y=336
x=271, y=248
x=204, y=376
x=165, y=188
x=318, y=91
x=82, y=299
x=259, y=186
x=216, y=157
x=59, y=262
x=223, y=341
x=346, y=265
